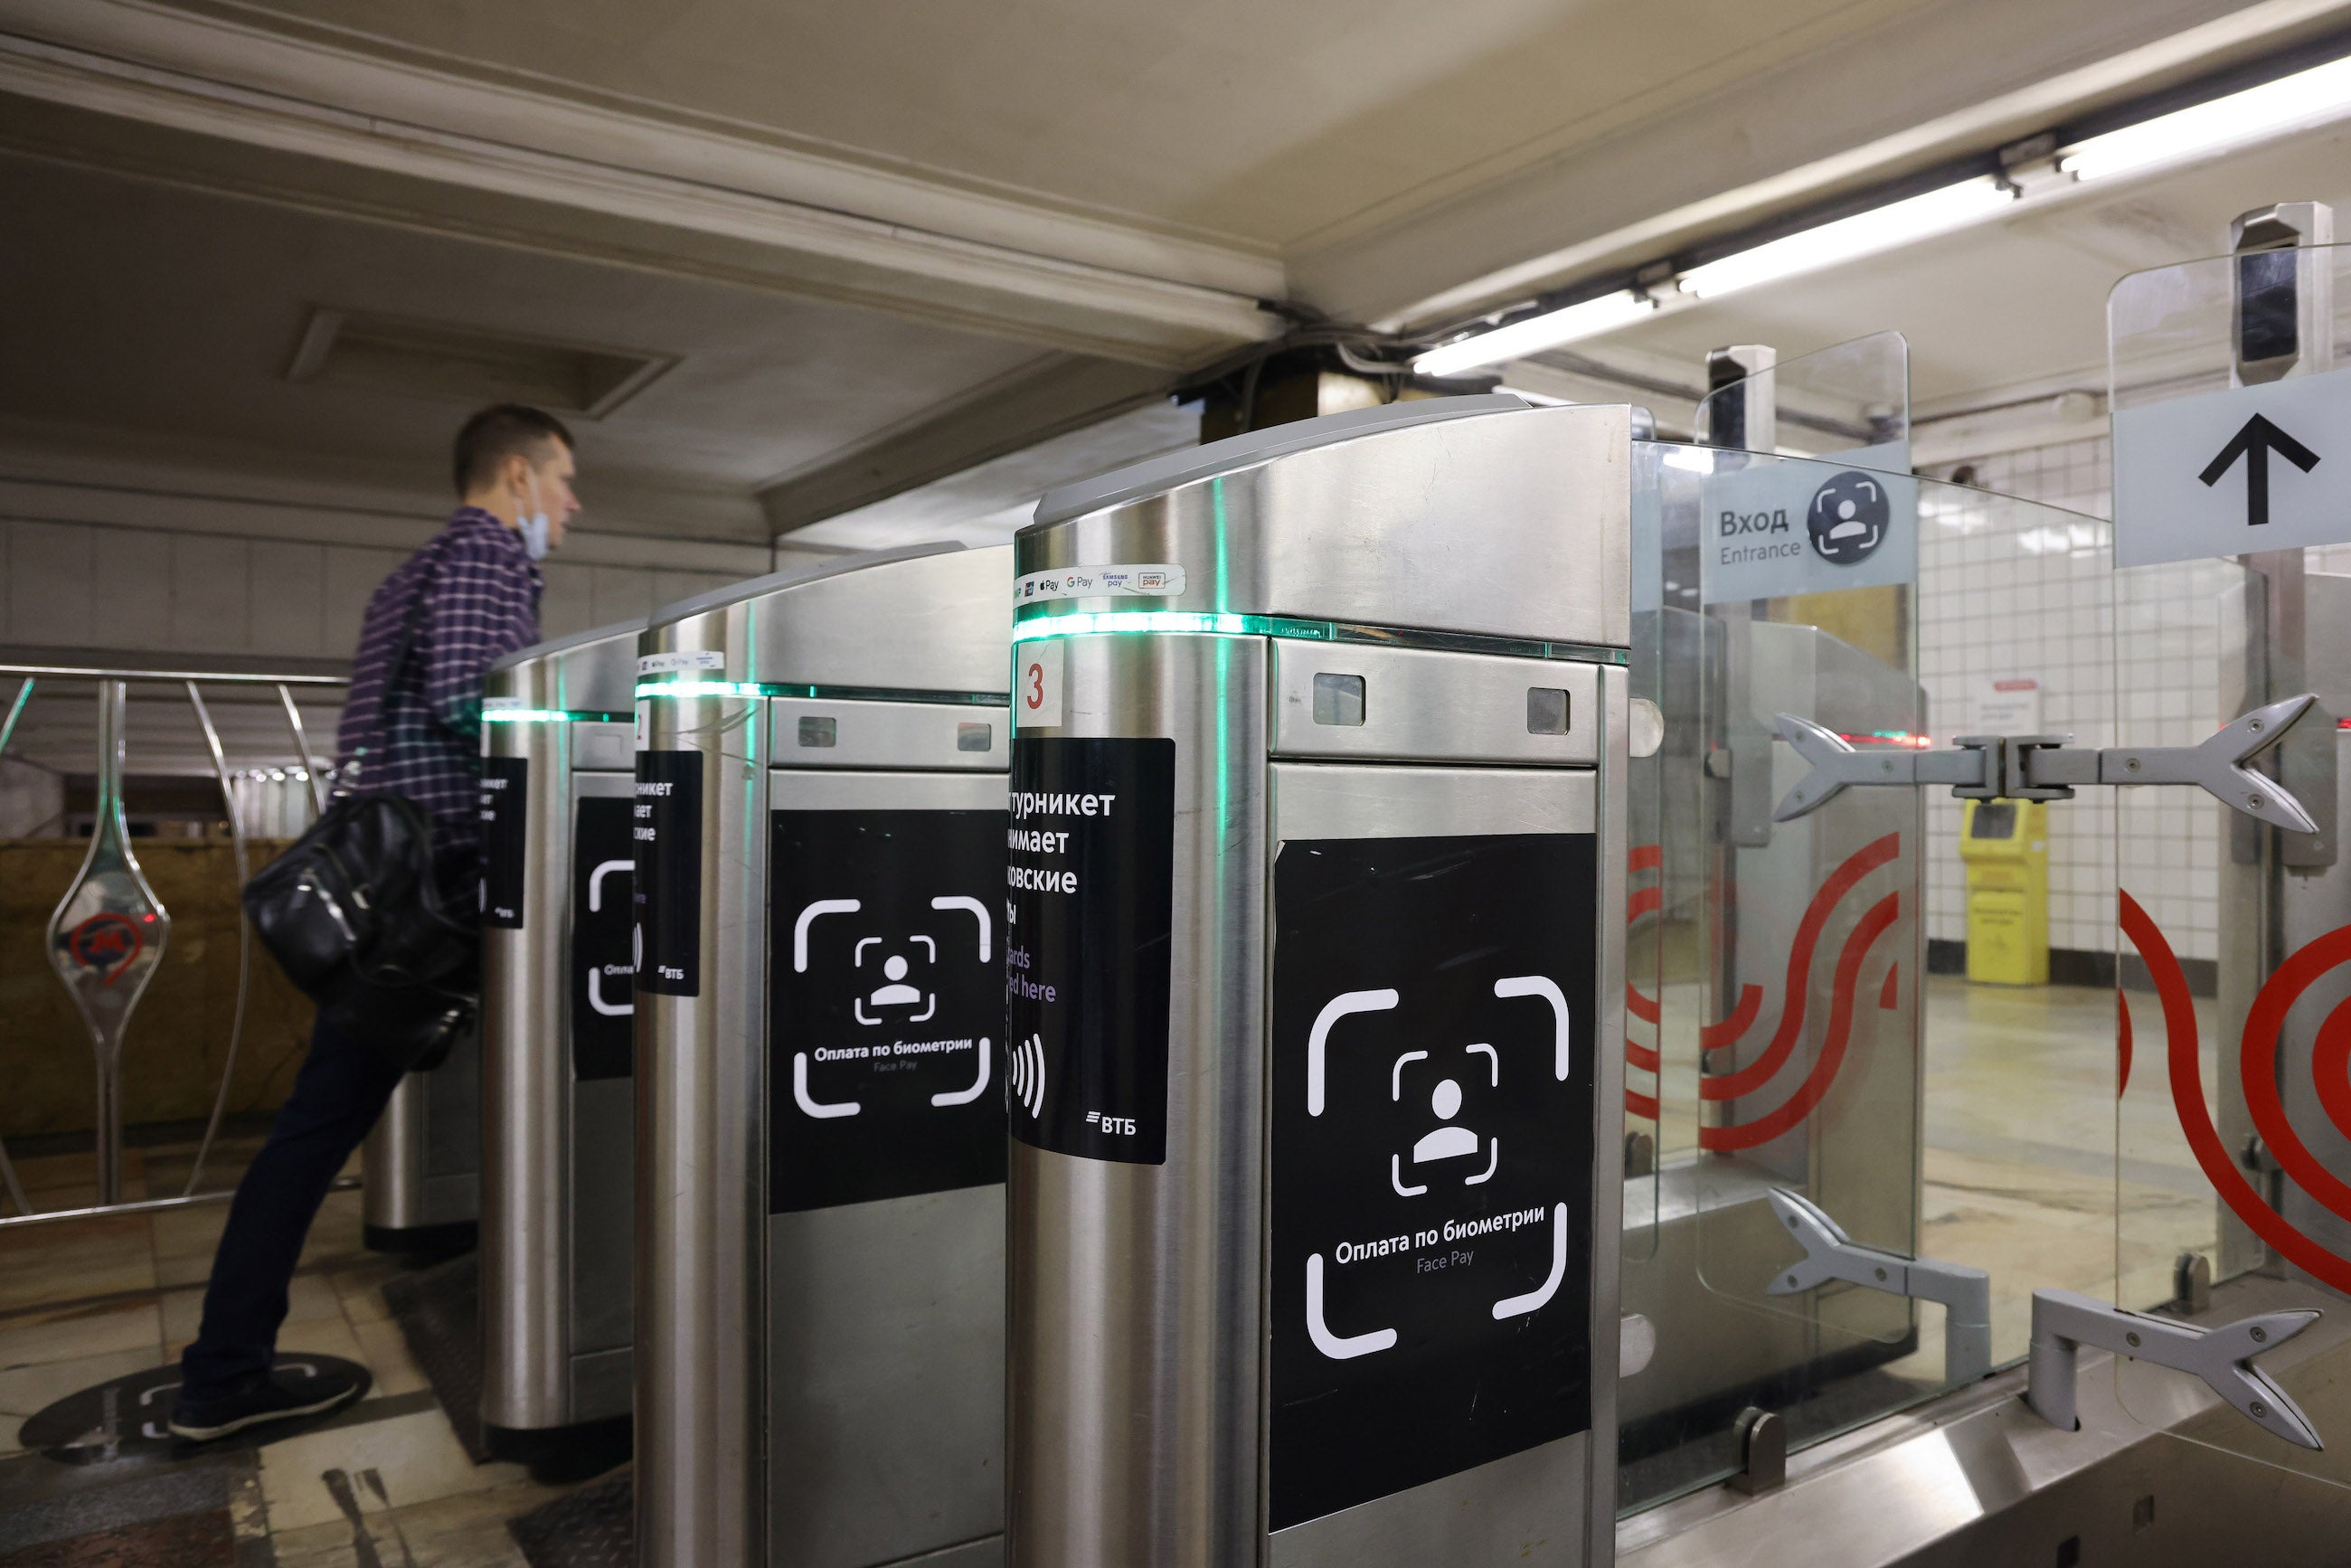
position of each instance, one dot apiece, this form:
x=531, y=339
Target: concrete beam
x=823, y=227
x=1041, y=399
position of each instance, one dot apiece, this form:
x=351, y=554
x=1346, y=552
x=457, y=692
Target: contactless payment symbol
x=1848, y=518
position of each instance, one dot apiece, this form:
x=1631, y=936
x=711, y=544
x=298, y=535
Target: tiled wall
x=2010, y=591
x=80, y=585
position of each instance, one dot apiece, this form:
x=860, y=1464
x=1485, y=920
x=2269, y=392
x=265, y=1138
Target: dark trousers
x=341, y=1090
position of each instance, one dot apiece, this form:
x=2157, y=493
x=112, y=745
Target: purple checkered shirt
x=420, y=736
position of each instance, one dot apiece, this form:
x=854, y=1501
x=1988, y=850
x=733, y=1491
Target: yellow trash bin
x=2005, y=844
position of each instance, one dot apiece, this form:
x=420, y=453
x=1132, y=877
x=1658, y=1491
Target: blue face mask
x=533, y=526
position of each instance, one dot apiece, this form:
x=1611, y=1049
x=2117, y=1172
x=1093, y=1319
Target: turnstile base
x=1975, y=1478
x=594, y=1527
x=557, y=1455
x=439, y=1310
x=422, y=1241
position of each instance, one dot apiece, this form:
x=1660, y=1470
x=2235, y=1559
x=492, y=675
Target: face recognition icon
x=894, y=976
x=1452, y=1154
x=1848, y=518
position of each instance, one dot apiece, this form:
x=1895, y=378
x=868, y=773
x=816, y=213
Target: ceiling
x=2017, y=302
x=177, y=313
x=911, y=262
x=1246, y=122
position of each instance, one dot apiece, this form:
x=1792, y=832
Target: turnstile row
x=1144, y=1105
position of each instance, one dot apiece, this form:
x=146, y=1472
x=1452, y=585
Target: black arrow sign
x=2255, y=443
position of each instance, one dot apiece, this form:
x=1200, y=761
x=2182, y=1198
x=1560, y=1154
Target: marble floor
x=384, y=1485
x=2028, y=1156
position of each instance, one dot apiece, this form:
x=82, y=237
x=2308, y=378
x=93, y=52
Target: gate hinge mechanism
x=2047, y=768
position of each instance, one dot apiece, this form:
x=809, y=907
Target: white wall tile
x=133, y=572
x=50, y=591
x=211, y=593
x=286, y=601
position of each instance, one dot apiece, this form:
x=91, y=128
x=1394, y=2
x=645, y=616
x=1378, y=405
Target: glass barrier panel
x=1838, y=1106
x=2233, y=1175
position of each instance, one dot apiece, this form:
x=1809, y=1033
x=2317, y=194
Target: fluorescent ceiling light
x=2321, y=93
x=1533, y=335
x=1863, y=234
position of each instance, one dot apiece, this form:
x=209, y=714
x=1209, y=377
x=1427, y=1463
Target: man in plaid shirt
x=467, y=599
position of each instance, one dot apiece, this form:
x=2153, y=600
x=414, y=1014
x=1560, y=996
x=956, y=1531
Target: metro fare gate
x=1314, y=957
x=820, y=832
x=558, y=1057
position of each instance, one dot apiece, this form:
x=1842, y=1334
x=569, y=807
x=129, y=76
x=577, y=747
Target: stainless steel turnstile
x=421, y=1166
x=819, y=831
x=557, y=1062
x=1315, y=964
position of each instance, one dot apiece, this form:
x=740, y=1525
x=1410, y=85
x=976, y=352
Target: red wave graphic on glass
x=1730, y=1030
x=2257, y=1064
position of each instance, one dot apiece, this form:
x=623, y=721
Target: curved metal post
x=302, y=745
x=9, y=729
x=108, y=936
x=244, y=939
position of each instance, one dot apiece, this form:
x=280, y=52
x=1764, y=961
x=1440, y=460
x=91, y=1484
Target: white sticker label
x=670, y=664
x=1153, y=580
x=1037, y=682
x=2251, y=468
x=491, y=705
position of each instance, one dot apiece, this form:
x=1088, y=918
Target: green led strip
x=818, y=694
x=548, y=716
x=1092, y=623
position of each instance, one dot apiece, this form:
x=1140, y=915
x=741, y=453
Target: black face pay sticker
x=1089, y=913
x=885, y=1032
x=603, y=968
x=665, y=829
x=1431, y=1160
x=505, y=829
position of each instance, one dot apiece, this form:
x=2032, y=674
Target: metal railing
x=109, y=932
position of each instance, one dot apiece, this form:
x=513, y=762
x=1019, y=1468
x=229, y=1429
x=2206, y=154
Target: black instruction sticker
x=1431, y=1159
x=1089, y=910
x=885, y=1033
x=603, y=926
x=506, y=834
x=665, y=831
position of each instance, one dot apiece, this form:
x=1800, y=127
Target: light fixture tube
x=2318, y=94
x=1846, y=239
x=1588, y=318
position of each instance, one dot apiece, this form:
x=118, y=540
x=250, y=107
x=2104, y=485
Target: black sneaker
x=275, y=1398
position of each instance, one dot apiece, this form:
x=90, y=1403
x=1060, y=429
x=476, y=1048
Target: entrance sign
x=1432, y=1158
x=1784, y=526
x=2262, y=467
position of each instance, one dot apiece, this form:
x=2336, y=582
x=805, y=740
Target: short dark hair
x=502, y=431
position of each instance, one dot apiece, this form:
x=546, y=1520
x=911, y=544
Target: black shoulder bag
x=358, y=915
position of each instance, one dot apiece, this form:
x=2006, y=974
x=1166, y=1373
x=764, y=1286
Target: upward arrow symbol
x=2255, y=443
